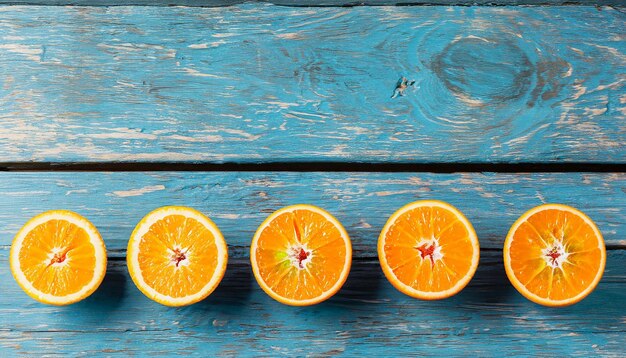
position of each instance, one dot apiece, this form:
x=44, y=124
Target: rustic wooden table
x=240, y=110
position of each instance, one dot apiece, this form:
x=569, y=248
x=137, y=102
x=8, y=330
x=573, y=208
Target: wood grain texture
x=308, y=3
x=239, y=202
x=253, y=83
x=367, y=317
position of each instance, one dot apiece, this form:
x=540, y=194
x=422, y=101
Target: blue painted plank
x=307, y=3
x=368, y=317
x=506, y=84
x=239, y=202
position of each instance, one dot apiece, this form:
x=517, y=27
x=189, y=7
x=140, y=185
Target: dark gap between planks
x=570, y=167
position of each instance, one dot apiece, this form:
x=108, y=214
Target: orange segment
x=301, y=255
x=554, y=255
x=176, y=256
x=428, y=250
x=58, y=257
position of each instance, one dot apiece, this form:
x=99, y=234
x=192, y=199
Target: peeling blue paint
x=496, y=84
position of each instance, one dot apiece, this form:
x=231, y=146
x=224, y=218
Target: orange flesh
x=177, y=256
x=532, y=251
x=300, y=255
x=414, y=238
x=57, y=258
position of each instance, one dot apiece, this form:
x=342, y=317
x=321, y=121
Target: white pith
x=142, y=229
x=293, y=252
x=558, y=261
x=184, y=262
x=51, y=256
x=94, y=239
x=437, y=253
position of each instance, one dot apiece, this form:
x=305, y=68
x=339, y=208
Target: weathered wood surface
x=367, y=317
x=256, y=83
x=307, y=3
x=239, y=202
x=252, y=83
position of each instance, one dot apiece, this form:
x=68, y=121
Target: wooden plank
x=344, y=3
x=367, y=317
x=239, y=202
x=255, y=83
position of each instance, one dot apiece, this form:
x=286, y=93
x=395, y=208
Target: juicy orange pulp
x=556, y=255
x=57, y=257
x=301, y=256
x=411, y=252
x=177, y=256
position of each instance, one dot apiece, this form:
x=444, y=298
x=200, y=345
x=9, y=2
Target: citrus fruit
x=176, y=256
x=58, y=257
x=428, y=250
x=301, y=255
x=554, y=255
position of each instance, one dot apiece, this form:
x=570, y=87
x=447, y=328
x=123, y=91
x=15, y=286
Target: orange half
x=58, y=257
x=554, y=255
x=301, y=255
x=428, y=250
x=176, y=256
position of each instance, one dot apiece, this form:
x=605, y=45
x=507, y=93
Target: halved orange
x=428, y=250
x=301, y=255
x=176, y=256
x=554, y=255
x=58, y=257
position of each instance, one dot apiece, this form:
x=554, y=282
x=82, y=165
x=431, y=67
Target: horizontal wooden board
x=255, y=83
x=367, y=317
x=239, y=202
x=308, y=3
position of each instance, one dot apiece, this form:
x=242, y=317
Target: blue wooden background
x=118, y=90
x=254, y=83
x=308, y=3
